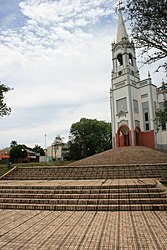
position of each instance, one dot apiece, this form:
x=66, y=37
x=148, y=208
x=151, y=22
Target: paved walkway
x=35, y=230
x=95, y=182
x=56, y=230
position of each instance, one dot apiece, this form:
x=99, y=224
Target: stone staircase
x=86, y=172
x=101, y=196
x=102, y=182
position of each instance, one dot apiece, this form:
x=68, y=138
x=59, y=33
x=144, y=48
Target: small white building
x=133, y=101
x=57, y=153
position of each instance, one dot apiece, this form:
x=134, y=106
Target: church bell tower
x=132, y=100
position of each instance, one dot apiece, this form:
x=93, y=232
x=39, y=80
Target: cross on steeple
x=120, y=5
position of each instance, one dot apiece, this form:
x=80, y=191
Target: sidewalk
x=32, y=230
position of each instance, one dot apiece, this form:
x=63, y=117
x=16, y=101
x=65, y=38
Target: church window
x=119, y=60
x=155, y=106
x=135, y=106
x=121, y=105
x=130, y=59
x=147, y=126
x=144, y=96
x=161, y=106
x=146, y=116
x=137, y=123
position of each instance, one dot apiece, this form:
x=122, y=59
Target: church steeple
x=123, y=54
x=121, y=30
x=132, y=100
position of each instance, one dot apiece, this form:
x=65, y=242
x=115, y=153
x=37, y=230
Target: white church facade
x=133, y=101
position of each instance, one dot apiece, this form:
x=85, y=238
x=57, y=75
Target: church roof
x=121, y=30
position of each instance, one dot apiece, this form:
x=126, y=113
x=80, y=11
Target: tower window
x=146, y=116
x=121, y=105
x=135, y=106
x=119, y=60
x=130, y=59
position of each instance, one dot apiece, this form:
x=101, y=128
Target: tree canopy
x=149, y=29
x=18, y=152
x=161, y=116
x=38, y=149
x=88, y=137
x=4, y=110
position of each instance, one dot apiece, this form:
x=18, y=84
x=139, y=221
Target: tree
x=149, y=29
x=13, y=144
x=4, y=110
x=161, y=116
x=88, y=137
x=18, y=153
x=38, y=149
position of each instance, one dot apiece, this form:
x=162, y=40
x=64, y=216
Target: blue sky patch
x=10, y=14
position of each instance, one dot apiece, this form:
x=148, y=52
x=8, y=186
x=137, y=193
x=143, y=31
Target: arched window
x=119, y=60
x=130, y=59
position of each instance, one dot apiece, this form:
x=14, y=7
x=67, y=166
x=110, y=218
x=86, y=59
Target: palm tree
x=13, y=144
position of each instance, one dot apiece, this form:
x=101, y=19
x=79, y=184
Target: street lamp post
x=45, y=148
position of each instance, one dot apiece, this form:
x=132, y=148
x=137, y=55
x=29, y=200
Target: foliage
x=18, y=153
x=149, y=29
x=13, y=144
x=88, y=137
x=38, y=149
x=4, y=110
x=161, y=116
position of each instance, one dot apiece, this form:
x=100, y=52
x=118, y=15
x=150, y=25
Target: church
x=133, y=101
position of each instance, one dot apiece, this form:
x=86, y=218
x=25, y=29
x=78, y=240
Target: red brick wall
x=147, y=139
x=120, y=141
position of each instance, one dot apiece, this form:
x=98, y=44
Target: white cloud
x=57, y=74
x=59, y=64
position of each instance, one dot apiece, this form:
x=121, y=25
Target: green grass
x=164, y=183
x=4, y=168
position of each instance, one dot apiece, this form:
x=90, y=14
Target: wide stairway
x=122, y=179
x=86, y=172
x=90, y=195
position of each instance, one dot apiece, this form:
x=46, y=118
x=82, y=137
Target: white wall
x=162, y=139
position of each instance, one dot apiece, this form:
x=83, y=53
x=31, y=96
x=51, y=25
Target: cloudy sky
x=55, y=54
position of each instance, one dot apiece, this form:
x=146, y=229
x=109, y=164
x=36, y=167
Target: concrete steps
x=85, y=198
x=86, y=172
x=146, y=207
x=95, y=184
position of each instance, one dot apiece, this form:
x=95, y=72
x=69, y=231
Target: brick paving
x=125, y=155
x=93, y=230
x=140, y=222
x=36, y=230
